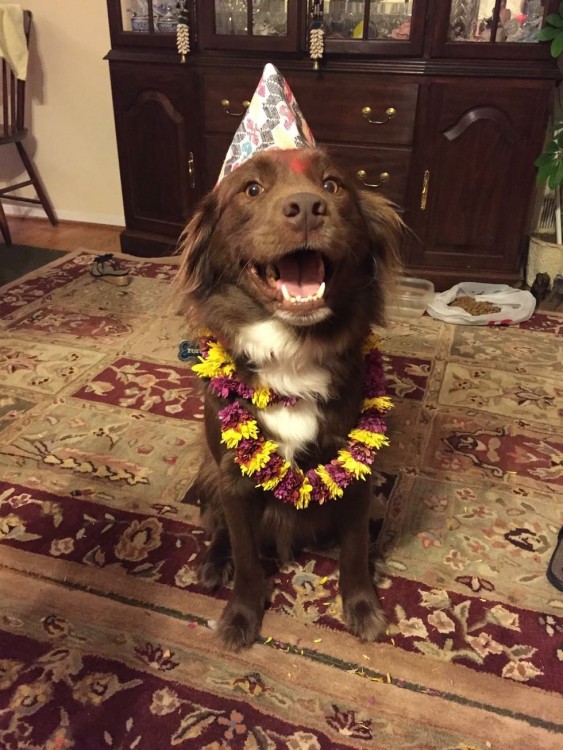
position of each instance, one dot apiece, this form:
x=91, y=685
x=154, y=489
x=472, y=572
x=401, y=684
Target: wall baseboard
x=31, y=211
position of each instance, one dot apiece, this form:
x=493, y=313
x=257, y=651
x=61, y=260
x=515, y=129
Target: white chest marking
x=291, y=427
x=283, y=361
x=288, y=365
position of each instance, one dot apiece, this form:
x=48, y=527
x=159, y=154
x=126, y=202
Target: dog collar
x=258, y=458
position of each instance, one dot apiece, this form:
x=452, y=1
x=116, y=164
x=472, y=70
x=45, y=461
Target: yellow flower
x=216, y=363
x=333, y=488
x=261, y=397
x=373, y=439
x=233, y=435
x=357, y=468
x=270, y=484
x=305, y=492
x=259, y=459
x=383, y=403
x=372, y=342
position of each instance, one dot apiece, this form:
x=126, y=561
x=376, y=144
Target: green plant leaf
x=548, y=33
x=557, y=45
x=544, y=159
x=545, y=171
x=559, y=139
x=556, y=177
x=554, y=19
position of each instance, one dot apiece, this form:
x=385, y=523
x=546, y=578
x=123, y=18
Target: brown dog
x=286, y=263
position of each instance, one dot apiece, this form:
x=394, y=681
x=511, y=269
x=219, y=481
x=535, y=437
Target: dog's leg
x=362, y=608
x=217, y=567
x=243, y=506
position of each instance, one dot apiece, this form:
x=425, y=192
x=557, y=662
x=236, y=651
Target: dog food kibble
x=474, y=307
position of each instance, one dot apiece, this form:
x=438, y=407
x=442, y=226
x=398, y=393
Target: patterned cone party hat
x=272, y=121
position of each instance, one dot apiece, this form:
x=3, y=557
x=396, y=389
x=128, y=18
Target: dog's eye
x=331, y=186
x=253, y=189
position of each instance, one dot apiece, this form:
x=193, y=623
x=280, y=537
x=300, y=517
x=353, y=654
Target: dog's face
x=287, y=236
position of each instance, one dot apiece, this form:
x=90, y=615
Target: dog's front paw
x=240, y=625
x=215, y=573
x=364, y=616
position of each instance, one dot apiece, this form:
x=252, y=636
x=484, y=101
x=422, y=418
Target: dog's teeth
x=319, y=294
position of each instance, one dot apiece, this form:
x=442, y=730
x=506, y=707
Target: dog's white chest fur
x=289, y=367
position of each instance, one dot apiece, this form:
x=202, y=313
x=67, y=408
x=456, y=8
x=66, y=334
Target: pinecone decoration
x=316, y=43
x=316, y=33
x=183, y=32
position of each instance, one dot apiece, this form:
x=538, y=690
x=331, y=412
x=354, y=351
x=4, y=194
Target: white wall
x=69, y=115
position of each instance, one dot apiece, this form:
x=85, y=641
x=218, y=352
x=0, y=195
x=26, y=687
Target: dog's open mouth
x=296, y=280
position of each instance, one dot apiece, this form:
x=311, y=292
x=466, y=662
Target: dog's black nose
x=304, y=210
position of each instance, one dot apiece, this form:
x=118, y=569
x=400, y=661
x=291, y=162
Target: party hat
x=273, y=120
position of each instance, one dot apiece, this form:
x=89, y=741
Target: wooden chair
x=12, y=130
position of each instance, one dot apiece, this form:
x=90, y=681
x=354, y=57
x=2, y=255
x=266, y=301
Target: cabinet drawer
x=352, y=159
x=335, y=107
x=376, y=163
x=223, y=100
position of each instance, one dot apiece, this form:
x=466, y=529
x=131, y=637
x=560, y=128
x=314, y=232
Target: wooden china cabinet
x=441, y=105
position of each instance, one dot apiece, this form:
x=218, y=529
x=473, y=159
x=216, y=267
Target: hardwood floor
x=67, y=235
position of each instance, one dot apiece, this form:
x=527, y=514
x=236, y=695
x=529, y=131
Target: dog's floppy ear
x=195, y=275
x=386, y=231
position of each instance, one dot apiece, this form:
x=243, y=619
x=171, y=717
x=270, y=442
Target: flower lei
x=258, y=457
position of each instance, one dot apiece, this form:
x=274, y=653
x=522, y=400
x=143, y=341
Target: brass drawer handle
x=424, y=192
x=191, y=169
x=390, y=114
x=225, y=103
x=383, y=177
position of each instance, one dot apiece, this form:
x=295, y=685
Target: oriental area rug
x=108, y=641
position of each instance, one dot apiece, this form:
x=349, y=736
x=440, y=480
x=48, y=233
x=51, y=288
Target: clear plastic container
x=410, y=298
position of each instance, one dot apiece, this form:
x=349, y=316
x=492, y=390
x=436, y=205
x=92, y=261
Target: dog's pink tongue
x=302, y=273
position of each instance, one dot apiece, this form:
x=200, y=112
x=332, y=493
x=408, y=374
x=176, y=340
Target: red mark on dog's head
x=298, y=163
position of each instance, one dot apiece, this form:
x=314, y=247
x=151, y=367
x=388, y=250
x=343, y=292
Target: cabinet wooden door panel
x=216, y=147
x=476, y=164
x=157, y=145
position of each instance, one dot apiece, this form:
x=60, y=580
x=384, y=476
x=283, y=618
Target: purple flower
x=222, y=386
x=288, y=489
x=374, y=376
x=339, y=474
x=361, y=452
x=234, y=414
x=372, y=421
x=246, y=449
x=244, y=391
x=271, y=470
x=320, y=492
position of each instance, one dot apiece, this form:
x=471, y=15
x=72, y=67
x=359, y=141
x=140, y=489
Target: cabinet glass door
x=492, y=28
x=249, y=24
x=149, y=17
x=145, y=22
x=374, y=26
